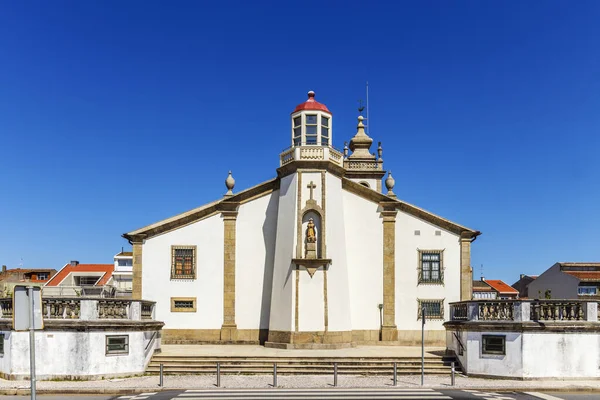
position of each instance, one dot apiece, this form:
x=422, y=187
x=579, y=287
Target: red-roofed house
x=568, y=280
x=504, y=291
x=493, y=289
x=83, y=276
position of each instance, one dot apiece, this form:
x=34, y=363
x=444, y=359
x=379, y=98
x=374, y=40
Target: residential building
x=17, y=276
x=522, y=285
x=319, y=256
x=568, y=280
x=123, y=273
x=481, y=290
x=493, y=289
x=75, y=279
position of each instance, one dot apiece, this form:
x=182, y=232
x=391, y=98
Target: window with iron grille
x=434, y=309
x=117, y=344
x=183, y=304
x=493, y=344
x=183, y=262
x=431, y=269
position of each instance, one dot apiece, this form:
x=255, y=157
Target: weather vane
x=360, y=106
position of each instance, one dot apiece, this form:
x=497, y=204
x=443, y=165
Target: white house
x=123, y=273
x=319, y=256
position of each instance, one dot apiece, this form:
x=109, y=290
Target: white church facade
x=318, y=257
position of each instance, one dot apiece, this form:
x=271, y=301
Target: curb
x=130, y=391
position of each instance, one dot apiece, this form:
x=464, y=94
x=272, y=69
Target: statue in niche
x=310, y=232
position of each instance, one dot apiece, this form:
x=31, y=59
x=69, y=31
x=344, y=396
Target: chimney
x=4, y=268
x=74, y=262
x=522, y=276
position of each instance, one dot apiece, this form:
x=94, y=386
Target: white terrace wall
x=564, y=346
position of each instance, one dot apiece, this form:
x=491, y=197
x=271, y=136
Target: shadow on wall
x=269, y=230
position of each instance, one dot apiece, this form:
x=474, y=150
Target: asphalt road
x=388, y=394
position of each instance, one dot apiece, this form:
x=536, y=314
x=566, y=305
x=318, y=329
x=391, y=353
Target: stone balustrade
x=87, y=309
x=525, y=310
x=311, y=153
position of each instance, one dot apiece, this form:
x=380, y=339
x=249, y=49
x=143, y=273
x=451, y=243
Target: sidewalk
x=150, y=384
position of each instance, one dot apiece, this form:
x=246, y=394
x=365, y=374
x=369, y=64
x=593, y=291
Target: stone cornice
x=325, y=165
x=509, y=326
x=78, y=325
x=400, y=205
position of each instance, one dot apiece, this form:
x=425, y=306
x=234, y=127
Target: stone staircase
x=197, y=365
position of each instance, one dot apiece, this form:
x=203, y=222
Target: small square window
x=297, y=122
x=311, y=129
x=493, y=344
x=183, y=304
x=297, y=132
x=311, y=140
x=325, y=121
x=117, y=344
x=324, y=132
x=183, y=262
x=434, y=309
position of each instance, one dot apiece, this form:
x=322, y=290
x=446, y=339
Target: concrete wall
x=281, y=316
x=81, y=355
x=562, y=286
x=408, y=290
x=256, y=232
x=532, y=355
x=338, y=295
x=364, y=250
x=207, y=288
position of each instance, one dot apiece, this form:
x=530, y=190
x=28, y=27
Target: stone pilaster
x=389, y=330
x=466, y=272
x=229, y=214
x=137, y=268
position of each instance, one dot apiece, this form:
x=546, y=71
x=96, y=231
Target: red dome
x=311, y=104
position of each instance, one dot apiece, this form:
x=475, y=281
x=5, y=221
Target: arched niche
x=317, y=221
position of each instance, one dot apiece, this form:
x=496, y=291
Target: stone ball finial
x=389, y=184
x=229, y=183
x=379, y=150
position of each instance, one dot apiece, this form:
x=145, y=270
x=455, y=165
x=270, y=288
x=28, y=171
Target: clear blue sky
x=115, y=115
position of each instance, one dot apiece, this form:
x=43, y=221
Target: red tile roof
x=106, y=269
x=501, y=287
x=585, y=275
x=311, y=104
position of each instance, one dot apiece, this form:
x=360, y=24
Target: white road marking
x=543, y=396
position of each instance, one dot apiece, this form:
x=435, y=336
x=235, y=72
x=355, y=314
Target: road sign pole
x=422, y=345
x=31, y=342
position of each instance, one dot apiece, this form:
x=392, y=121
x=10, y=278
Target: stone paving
x=150, y=383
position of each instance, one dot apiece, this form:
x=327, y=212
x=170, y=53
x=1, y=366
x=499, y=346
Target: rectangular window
x=125, y=263
x=1, y=344
x=183, y=304
x=587, y=290
x=325, y=121
x=183, y=262
x=117, y=344
x=86, y=280
x=311, y=129
x=434, y=309
x=493, y=344
x=297, y=131
x=42, y=276
x=431, y=266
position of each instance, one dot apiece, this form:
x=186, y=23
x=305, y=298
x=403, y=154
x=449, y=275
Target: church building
x=320, y=256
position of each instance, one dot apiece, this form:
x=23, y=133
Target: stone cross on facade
x=311, y=186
